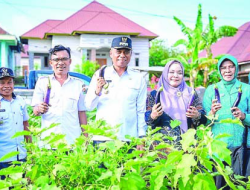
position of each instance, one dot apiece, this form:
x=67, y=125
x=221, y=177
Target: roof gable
x=237, y=46
x=2, y=31
x=41, y=29
x=93, y=18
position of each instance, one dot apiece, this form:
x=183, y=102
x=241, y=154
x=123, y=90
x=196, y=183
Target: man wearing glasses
x=120, y=95
x=66, y=100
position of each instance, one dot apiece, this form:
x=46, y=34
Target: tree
x=197, y=40
x=211, y=36
x=193, y=45
x=159, y=52
x=87, y=67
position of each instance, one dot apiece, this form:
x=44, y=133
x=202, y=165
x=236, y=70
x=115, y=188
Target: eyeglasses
x=60, y=59
x=230, y=67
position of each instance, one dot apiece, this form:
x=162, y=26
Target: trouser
x=8, y=164
x=220, y=181
x=96, y=145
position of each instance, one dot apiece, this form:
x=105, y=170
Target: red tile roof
x=41, y=29
x=238, y=45
x=2, y=31
x=93, y=18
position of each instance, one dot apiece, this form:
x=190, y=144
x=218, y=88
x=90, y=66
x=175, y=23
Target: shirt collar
x=127, y=71
x=13, y=96
x=52, y=77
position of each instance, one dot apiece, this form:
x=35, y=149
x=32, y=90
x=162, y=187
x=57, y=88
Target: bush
x=87, y=67
x=19, y=81
x=188, y=165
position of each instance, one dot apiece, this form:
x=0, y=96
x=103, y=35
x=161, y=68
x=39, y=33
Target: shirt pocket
x=53, y=100
x=132, y=91
x=4, y=118
x=71, y=103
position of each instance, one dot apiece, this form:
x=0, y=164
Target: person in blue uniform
x=13, y=118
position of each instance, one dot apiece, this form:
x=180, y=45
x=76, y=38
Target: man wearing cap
x=123, y=101
x=66, y=104
x=13, y=118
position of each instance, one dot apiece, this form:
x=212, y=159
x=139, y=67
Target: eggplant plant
x=47, y=96
x=187, y=165
x=237, y=101
x=102, y=71
x=191, y=101
x=158, y=93
x=217, y=94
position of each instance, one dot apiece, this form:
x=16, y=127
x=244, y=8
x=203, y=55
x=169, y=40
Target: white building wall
x=97, y=41
x=140, y=47
x=101, y=43
x=39, y=46
x=73, y=42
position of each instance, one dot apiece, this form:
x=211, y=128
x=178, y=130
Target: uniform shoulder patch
x=135, y=70
x=44, y=77
x=77, y=80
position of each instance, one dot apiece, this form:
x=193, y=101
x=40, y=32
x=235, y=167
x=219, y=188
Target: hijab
x=228, y=84
x=174, y=101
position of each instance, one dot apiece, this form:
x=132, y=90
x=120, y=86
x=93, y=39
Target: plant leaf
x=9, y=155
x=20, y=133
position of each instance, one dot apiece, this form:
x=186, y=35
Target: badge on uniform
x=179, y=94
x=21, y=109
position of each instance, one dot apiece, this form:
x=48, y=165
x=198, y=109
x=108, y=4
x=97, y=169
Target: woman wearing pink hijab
x=174, y=100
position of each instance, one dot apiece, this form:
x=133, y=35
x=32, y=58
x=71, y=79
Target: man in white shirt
x=124, y=100
x=66, y=98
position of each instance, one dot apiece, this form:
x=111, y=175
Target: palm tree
x=211, y=36
x=198, y=40
x=193, y=46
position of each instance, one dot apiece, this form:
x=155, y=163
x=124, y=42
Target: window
x=46, y=63
x=137, y=62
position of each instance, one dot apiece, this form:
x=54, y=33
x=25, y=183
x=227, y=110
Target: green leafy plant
x=87, y=67
x=37, y=66
x=159, y=51
x=197, y=40
x=188, y=164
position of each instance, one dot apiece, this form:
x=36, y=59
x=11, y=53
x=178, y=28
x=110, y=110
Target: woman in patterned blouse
x=174, y=100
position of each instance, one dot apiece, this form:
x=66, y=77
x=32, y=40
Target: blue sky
x=19, y=16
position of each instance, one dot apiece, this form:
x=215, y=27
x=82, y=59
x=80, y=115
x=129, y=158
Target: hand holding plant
x=215, y=106
x=157, y=111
